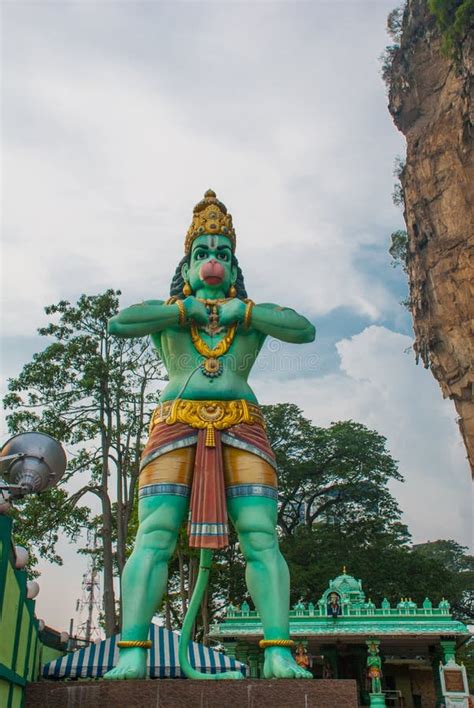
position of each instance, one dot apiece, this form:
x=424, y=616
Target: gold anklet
x=145, y=644
x=265, y=643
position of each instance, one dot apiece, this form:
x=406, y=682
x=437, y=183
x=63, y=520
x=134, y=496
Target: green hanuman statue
x=207, y=457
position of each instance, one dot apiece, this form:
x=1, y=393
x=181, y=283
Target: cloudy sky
x=117, y=116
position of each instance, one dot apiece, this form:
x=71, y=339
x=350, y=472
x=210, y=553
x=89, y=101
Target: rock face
x=431, y=102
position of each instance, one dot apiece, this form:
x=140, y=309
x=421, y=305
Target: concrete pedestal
x=181, y=693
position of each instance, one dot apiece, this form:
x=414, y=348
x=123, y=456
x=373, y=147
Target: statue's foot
x=279, y=663
x=131, y=665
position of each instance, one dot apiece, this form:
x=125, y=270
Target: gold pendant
x=212, y=367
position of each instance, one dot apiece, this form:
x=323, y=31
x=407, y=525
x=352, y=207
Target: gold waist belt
x=211, y=415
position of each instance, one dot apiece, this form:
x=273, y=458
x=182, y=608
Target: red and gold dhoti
x=208, y=450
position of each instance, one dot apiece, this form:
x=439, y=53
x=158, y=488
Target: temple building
x=337, y=636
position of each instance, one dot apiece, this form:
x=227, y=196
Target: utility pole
x=90, y=600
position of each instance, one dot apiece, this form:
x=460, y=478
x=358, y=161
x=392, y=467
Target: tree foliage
x=399, y=249
x=341, y=471
x=93, y=393
x=395, y=22
x=385, y=561
x=40, y=519
x=455, y=18
x=448, y=562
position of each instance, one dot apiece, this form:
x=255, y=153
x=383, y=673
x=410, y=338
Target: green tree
x=371, y=549
x=40, y=519
x=379, y=552
x=395, y=23
x=324, y=473
x=455, y=573
x=455, y=18
x=399, y=249
x=93, y=392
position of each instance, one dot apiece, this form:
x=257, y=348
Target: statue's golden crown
x=210, y=217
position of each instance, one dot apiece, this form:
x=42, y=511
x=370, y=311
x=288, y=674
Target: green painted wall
x=20, y=648
x=4, y=692
x=8, y=614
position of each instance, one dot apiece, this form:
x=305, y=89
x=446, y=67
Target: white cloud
x=379, y=385
x=106, y=151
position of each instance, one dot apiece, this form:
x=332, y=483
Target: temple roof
x=347, y=587
x=355, y=616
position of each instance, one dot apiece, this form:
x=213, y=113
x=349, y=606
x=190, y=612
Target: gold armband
x=182, y=311
x=248, y=312
x=265, y=643
x=124, y=644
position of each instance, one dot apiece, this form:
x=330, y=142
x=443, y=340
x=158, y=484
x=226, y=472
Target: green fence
x=20, y=646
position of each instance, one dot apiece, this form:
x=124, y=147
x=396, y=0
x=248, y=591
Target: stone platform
x=177, y=693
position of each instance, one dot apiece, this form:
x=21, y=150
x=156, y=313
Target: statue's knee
x=256, y=543
x=157, y=543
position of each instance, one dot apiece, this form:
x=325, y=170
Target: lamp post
x=29, y=464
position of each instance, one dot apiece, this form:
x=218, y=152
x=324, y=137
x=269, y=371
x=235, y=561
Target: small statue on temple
x=374, y=668
x=334, y=607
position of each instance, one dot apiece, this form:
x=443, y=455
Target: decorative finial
x=344, y=571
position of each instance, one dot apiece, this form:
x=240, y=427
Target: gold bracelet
x=182, y=313
x=248, y=312
x=124, y=644
x=265, y=643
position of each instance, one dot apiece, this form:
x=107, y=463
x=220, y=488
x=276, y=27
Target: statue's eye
x=200, y=255
x=222, y=256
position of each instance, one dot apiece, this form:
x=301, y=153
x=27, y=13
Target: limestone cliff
x=430, y=99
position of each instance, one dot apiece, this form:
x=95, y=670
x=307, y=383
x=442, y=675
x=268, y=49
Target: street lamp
x=29, y=464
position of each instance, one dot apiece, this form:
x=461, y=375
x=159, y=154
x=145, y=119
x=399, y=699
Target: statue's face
x=210, y=264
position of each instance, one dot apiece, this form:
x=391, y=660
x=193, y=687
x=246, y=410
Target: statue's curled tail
x=195, y=602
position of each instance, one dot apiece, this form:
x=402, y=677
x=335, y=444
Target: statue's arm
x=147, y=317
x=282, y=323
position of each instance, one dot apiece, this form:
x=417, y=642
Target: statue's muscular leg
x=267, y=577
x=145, y=576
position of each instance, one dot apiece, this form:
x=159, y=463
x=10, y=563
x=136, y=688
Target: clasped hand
x=229, y=312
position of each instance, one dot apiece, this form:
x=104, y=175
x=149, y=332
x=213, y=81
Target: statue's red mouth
x=212, y=273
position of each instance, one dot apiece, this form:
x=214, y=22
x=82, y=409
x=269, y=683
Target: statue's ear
x=185, y=271
x=233, y=275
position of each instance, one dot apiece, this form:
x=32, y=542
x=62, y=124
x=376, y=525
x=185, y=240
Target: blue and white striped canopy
x=95, y=660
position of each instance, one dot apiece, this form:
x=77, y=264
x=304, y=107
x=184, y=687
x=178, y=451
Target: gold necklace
x=217, y=301
x=211, y=366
